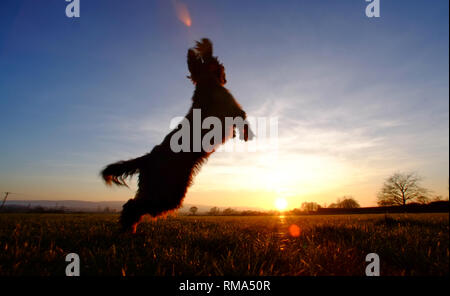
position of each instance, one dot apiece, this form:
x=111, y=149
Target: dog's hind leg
x=131, y=214
x=135, y=208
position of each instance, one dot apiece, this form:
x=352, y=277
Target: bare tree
x=193, y=210
x=438, y=198
x=401, y=188
x=423, y=199
x=348, y=202
x=214, y=211
x=229, y=211
x=310, y=206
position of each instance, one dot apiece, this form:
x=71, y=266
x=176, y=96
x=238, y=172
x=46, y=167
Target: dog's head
x=204, y=67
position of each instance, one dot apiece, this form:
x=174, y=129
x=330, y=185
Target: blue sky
x=357, y=98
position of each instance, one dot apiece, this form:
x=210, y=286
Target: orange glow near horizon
x=183, y=13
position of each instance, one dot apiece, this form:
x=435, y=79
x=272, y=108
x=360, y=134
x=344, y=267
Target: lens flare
x=294, y=230
x=183, y=13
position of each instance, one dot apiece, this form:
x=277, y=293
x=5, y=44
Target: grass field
x=410, y=244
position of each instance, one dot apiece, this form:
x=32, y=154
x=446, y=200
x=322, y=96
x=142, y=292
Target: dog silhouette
x=165, y=175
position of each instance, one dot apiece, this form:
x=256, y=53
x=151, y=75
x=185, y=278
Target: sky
x=357, y=99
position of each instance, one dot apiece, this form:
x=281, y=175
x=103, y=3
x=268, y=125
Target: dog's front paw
x=248, y=134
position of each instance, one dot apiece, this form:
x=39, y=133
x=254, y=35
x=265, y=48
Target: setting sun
x=280, y=204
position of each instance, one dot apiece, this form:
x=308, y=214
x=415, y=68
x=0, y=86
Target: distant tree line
x=399, y=189
x=347, y=202
x=30, y=209
x=56, y=209
x=215, y=211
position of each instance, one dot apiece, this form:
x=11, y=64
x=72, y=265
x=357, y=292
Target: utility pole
x=4, y=199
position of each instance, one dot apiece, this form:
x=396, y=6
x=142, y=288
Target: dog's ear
x=194, y=65
x=202, y=65
x=204, y=49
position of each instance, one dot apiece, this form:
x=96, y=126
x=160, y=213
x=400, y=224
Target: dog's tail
x=117, y=172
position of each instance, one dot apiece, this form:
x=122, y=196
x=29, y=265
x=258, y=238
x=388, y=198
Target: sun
x=280, y=204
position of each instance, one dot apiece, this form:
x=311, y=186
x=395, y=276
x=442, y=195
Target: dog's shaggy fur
x=164, y=175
